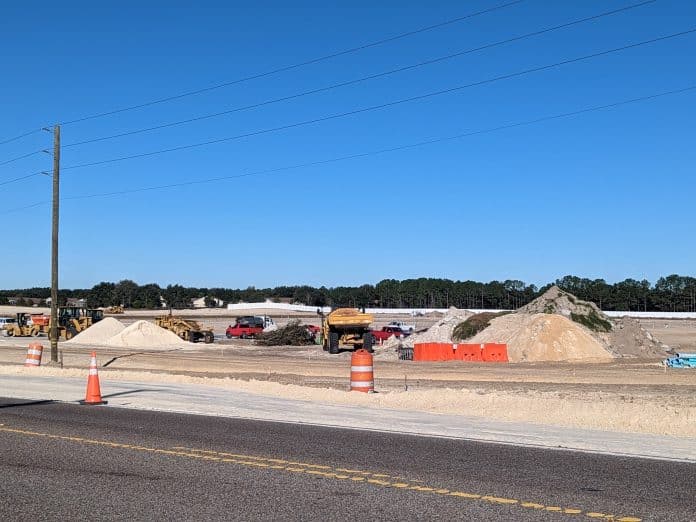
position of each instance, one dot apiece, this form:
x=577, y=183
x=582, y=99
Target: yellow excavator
x=347, y=327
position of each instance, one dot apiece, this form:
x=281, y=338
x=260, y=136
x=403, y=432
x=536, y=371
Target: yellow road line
x=319, y=471
x=294, y=463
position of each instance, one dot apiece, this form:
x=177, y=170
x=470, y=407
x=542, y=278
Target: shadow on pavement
x=25, y=403
x=125, y=393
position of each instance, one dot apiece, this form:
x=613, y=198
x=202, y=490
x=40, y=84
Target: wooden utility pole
x=53, y=334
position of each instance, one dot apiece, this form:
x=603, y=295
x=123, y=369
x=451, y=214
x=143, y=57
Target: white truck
x=406, y=328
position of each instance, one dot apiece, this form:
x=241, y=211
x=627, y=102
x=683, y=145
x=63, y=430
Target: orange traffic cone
x=93, y=395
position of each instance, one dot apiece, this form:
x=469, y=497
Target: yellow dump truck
x=347, y=327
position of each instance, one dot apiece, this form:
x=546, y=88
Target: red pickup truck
x=242, y=331
x=386, y=332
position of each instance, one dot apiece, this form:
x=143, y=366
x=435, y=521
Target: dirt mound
x=629, y=339
x=441, y=331
x=543, y=337
x=557, y=301
x=99, y=332
x=144, y=334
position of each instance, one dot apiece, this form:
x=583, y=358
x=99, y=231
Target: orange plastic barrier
x=494, y=352
x=489, y=352
x=433, y=352
x=34, y=355
x=444, y=352
x=468, y=352
x=361, y=372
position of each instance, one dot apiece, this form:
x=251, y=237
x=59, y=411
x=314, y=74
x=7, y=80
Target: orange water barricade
x=361, y=372
x=468, y=352
x=494, y=352
x=443, y=352
x=433, y=352
x=34, y=355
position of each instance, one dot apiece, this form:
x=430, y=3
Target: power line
x=27, y=176
x=24, y=135
x=373, y=153
x=293, y=66
x=383, y=105
x=21, y=157
x=364, y=78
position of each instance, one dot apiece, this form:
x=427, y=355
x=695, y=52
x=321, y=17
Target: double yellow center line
x=328, y=472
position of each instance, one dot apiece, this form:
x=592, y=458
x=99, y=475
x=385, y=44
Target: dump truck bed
x=349, y=317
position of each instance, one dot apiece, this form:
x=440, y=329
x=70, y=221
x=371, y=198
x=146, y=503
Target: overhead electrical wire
x=19, y=137
x=364, y=78
x=294, y=66
x=271, y=72
x=6, y=162
x=384, y=105
x=370, y=153
x=26, y=176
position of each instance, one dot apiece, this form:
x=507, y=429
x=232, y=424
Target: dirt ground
x=634, y=395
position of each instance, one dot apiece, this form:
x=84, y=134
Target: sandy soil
x=631, y=395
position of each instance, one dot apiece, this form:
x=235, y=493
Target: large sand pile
x=440, y=331
x=144, y=334
x=99, y=332
x=557, y=301
x=543, y=337
x=557, y=326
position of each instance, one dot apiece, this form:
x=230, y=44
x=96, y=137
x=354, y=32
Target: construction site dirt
x=624, y=394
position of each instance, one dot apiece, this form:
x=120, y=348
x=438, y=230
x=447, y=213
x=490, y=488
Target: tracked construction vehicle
x=347, y=327
x=186, y=329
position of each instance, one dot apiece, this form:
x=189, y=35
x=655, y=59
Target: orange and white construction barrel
x=361, y=371
x=34, y=355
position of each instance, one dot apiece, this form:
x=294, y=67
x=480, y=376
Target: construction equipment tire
x=333, y=343
x=9, y=333
x=367, y=342
x=208, y=337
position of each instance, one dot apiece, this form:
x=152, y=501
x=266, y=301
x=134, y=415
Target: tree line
x=673, y=293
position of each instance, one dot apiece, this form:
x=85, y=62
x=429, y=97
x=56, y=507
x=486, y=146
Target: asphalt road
x=63, y=461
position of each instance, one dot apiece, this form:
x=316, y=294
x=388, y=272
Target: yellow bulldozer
x=118, y=309
x=347, y=327
x=186, y=329
x=22, y=327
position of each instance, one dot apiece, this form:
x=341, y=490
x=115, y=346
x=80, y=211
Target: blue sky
x=605, y=194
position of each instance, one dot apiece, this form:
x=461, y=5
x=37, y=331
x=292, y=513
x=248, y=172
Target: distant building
x=200, y=302
x=70, y=301
x=30, y=301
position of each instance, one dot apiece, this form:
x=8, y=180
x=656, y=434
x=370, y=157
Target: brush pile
x=292, y=334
